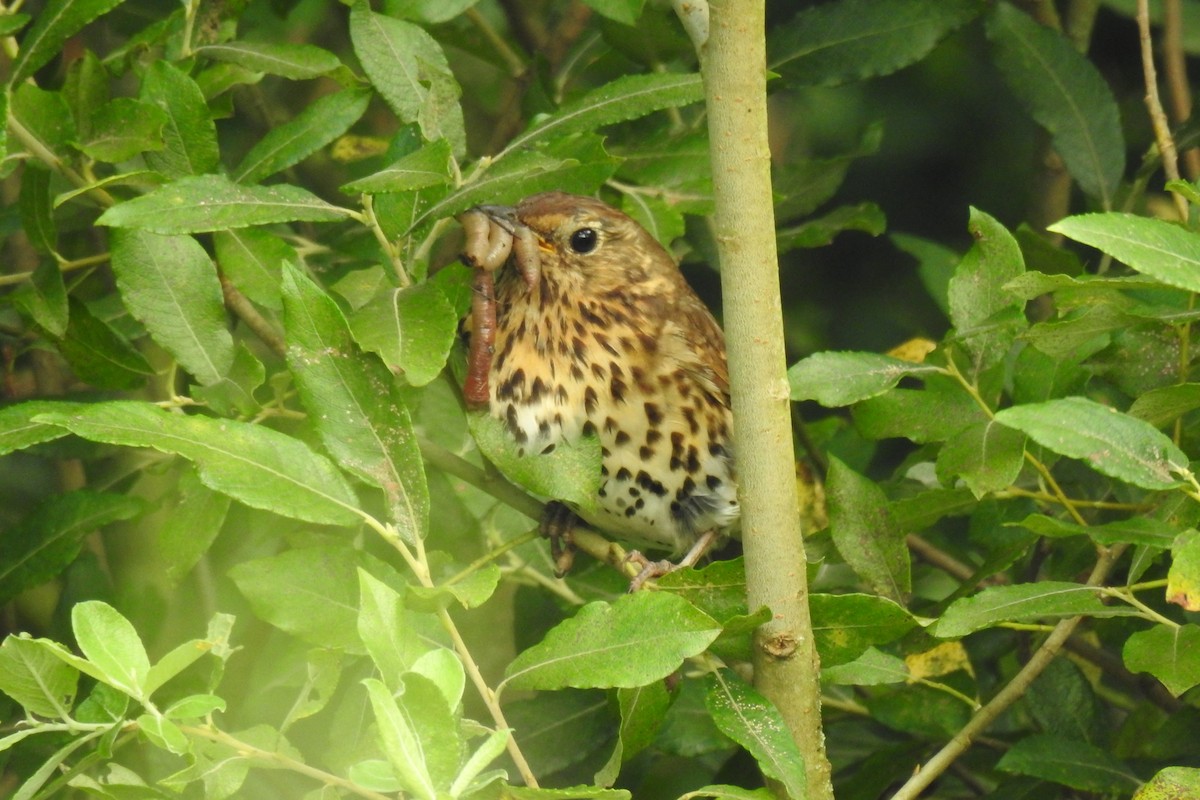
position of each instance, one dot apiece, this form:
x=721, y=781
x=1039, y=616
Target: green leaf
x=36, y=679
x=1025, y=602
x=569, y=793
x=571, y=473
x=643, y=709
x=441, y=667
x=1151, y=246
x=253, y=259
x=18, y=430
x=1183, y=578
x=641, y=637
x=45, y=118
x=194, y=706
x=1065, y=94
x=401, y=742
x=1164, y=405
x=57, y=22
x=304, y=134
x=37, y=213
x=163, y=733
x=44, y=298
x=865, y=533
x=428, y=166
x=564, y=729
x=1136, y=530
x=855, y=39
x=625, y=98
x=191, y=526
x=251, y=463
x=412, y=329
x=1171, y=783
x=122, y=128
x=48, y=538
x=189, y=135
x=409, y=69
x=180, y=658
x=987, y=457
x=311, y=592
x=170, y=285
x=11, y=24
x=872, y=668
x=295, y=61
x=384, y=628
x=933, y=414
x=1113, y=443
x=1171, y=654
x=723, y=792
x=487, y=752
x=98, y=354
x=1071, y=763
x=371, y=436
x=986, y=316
x=846, y=625
x=842, y=378
x=213, y=202
x=625, y=12
x=749, y=719
x=111, y=643
x=820, y=231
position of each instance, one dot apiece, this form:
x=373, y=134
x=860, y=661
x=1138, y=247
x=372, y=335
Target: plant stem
x=1162, y=130
x=944, y=758
x=786, y=669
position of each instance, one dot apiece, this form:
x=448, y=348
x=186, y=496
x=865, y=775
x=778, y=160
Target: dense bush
x=250, y=546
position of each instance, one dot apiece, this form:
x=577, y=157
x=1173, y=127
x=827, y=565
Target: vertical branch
x=1162, y=131
x=1179, y=95
x=785, y=662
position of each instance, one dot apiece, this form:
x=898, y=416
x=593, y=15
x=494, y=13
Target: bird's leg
x=656, y=569
x=558, y=521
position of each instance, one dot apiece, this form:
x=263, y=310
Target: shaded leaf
x=1072, y=763
x=865, y=534
x=58, y=21
x=842, y=378
x=295, y=61
x=749, y=719
x=1026, y=602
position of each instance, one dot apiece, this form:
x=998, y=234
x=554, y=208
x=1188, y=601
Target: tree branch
x=785, y=660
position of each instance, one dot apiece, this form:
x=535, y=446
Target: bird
x=598, y=333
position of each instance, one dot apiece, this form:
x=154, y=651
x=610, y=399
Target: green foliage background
x=249, y=545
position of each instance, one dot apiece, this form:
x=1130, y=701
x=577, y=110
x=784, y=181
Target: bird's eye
x=584, y=240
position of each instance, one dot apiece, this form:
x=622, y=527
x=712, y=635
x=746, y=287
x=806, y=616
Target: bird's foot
x=656, y=569
x=558, y=522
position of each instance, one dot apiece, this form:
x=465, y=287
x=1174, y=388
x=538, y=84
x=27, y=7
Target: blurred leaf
x=382, y=626
x=189, y=135
x=468, y=778
x=752, y=721
x=568, y=793
x=163, y=733
x=110, y=642
x=1071, y=763
x=183, y=656
x=865, y=533
x=933, y=414
x=441, y=667
x=1170, y=783
x=251, y=463
x=58, y=21
x=11, y=24
x=847, y=625
x=1183, y=578
x=44, y=298
x=37, y=213
x=1065, y=94
x=412, y=329
x=49, y=537
x=401, y=742
x=311, y=593
x=191, y=526
x=253, y=260
x=295, y=61
x=122, y=128
x=304, y=134
x=871, y=668
x=854, y=39
x=45, y=117
x=571, y=473
x=987, y=457
x=98, y=354
x=1138, y=530
x=640, y=638
x=624, y=11
x=371, y=436
x=194, y=706
x=807, y=183
x=986, y=316
x=427, y=10
x=18, y=430
x=935, y=265
x=1153, y=247
x=662, y=220
x=820, y=231
x=1162, y=406
x=39, y=682
x=409, y=69
x=563, y=729
x=1025, y=602
x=842, y=378
x=233, y=394
x=642, y=711
x=1113, y=443
x=170, y=285
x=207, y=203
x=428, y=166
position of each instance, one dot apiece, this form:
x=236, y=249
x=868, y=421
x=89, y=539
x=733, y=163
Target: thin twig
x=1158, y=119
x=1179, y=94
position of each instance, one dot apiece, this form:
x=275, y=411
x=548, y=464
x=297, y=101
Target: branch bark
x=785, y=665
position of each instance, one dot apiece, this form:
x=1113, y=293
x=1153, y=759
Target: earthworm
x=483, y=339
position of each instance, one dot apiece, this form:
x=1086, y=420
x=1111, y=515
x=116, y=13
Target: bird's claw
x=558, y=522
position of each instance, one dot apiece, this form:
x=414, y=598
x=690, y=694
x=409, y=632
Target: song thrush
x=598, y=333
